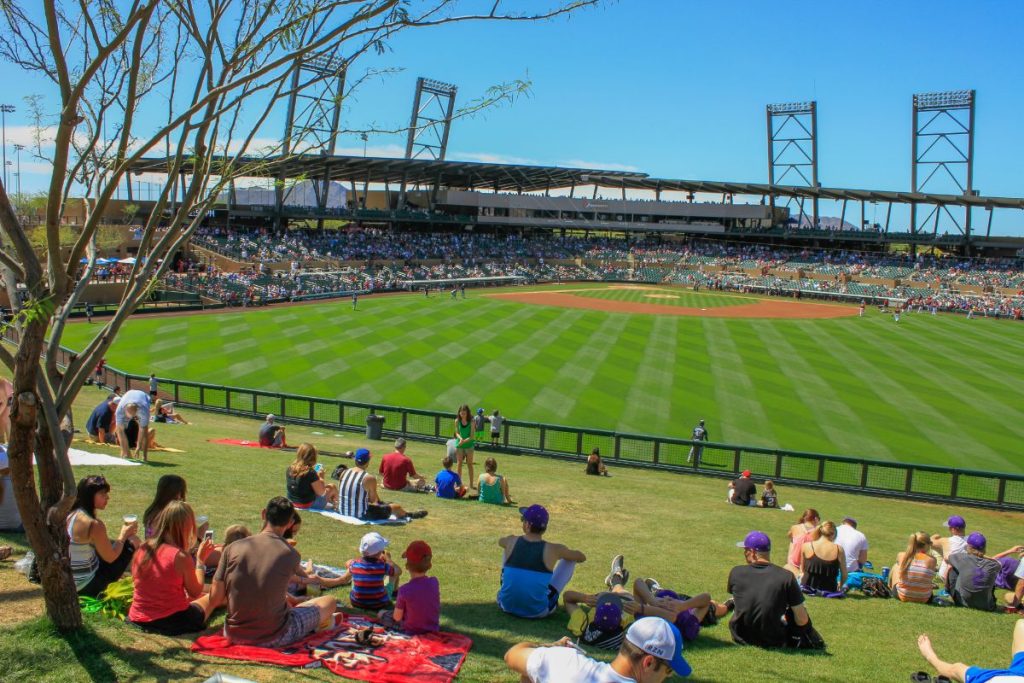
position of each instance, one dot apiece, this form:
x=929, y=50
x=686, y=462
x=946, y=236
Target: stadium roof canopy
x=525, y=178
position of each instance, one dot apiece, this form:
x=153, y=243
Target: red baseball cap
x=417, y=550
x=745, y=473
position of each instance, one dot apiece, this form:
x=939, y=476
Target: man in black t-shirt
x=272, y=435
x=743, y=490
x=769, y=607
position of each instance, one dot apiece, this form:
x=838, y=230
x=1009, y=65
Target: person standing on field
x=700, y=433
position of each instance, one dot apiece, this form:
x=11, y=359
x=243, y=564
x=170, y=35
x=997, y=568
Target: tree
x=220, y=67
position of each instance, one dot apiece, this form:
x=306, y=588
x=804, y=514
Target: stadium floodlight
x=791, y=108
x=950, y=99
x=942, y=155
x=793, y=151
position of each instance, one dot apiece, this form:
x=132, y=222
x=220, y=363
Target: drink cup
x=130, y=519
x=202, y=519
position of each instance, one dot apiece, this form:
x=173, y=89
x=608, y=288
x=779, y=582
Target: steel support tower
x=943, y=154
x=431, y=122
x=793, y=150
x=311, y=121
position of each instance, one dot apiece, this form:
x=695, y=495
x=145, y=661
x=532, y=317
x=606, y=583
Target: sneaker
x=616, y=571
x=730, y=605
x=653, y=585
x=417, y=514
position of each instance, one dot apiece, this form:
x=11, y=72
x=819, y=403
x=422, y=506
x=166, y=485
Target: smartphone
x=208, y=535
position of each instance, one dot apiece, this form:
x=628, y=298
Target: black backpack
x=873, y=587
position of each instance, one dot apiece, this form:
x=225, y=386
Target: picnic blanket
x=162, y=449
x=79, y=458
x=391, y=521
x=391, y=657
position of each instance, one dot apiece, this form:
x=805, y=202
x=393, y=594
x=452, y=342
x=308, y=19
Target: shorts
x=689, y=627
x=192, y=619
x=1019, y=571
x=495, y=434
x=480, y=436
x=300, y=623
x=377, y=511
x=319, y=503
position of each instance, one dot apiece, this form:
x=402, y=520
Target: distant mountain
x=302, y=193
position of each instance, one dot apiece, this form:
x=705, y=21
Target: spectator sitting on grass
x=358, y=495
x=96, y=561
x=252, y=578
x=10, y=518
x=824, y=563
x=914, y=571
x=373, y=575
x=169, y=488
x=534, y=572
x=972, y=577
x=418, y=605
x=272, y=435
x=769, y=606
x=168, y=583
x=650, y=652
x=853, y=542
x=493, y=486
x=304, y=480
x=601, y=619
x=769, y=496
x=742, y=491
x=952, y=544
x=100, y=424
x=595, y=466
x=399, y=473
x=972, y=674
x=165, y=412
x=803, y=531
x=448, y=483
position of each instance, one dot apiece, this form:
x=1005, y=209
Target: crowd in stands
x=367, y=260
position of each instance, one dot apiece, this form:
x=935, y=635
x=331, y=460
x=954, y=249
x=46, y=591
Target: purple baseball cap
x=955, y=522
x=536, y=515
x=976, y=540
x=608, y=612
x=756, y=540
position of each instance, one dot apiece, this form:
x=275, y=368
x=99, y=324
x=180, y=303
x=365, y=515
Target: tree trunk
x=43, y=526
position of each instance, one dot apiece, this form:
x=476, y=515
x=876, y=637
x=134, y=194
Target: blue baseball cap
x=756, y=540
x=362, y=456
x=660, y=639
x=479, y=411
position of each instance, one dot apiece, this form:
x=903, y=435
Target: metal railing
x=851, y=475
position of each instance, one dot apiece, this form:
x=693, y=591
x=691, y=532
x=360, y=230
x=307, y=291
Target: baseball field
x=764, y=372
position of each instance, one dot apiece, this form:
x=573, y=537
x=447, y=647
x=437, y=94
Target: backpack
x=874, y=587
x=336, y=474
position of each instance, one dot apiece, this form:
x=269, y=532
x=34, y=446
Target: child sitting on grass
x=769, y=496
x=418, y=607
x=374, y=577
x=449, y=484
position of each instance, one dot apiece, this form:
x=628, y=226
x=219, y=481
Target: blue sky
x=677, y=89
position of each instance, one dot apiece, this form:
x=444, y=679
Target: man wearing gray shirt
x=972, y=576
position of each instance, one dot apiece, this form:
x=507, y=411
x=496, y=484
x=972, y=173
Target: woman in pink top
x=804, y=531
x=168, y=595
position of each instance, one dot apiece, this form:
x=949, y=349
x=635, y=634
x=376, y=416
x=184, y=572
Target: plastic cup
x=130, y=519
x=202, y=519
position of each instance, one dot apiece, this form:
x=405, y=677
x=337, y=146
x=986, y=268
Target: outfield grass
x=939, y=390
x=674, y=527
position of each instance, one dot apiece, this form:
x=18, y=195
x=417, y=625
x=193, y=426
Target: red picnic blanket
x=393, y=657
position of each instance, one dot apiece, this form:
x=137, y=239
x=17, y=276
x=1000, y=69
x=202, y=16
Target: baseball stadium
x=772, y=385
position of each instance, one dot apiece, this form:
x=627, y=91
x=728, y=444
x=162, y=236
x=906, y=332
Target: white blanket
x=85, y=458
x=393, y=521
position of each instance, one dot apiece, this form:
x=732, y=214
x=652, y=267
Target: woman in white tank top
x=96, y=561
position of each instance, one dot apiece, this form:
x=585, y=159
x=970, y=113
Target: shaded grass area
x=933, y=390
x=673, y=527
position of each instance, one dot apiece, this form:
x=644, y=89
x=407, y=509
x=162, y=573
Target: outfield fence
x=854, y=475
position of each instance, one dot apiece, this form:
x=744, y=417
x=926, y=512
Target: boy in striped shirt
x=374, y=577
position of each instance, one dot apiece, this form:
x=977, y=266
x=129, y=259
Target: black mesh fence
x=725, y=460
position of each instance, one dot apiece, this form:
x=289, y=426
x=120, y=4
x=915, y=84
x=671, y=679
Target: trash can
x=374, y=426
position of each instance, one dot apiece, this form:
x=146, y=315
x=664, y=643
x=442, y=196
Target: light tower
x=943, y=154
x=793, y=149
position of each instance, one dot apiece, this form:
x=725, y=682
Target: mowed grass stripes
x=933, y=389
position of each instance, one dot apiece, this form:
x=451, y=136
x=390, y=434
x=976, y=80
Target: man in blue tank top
x=534, y=572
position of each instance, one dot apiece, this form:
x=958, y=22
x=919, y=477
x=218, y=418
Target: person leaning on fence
x=700, y=433
x=496, y=421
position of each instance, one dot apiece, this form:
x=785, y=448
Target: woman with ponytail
x=915, y=570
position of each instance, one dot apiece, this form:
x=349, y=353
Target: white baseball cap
x=373, y=544
x=659, y=638
x=270, y=417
